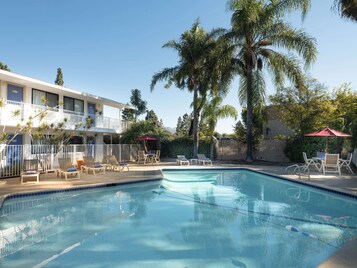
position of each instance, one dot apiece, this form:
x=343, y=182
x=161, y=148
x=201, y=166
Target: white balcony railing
x=13, y=112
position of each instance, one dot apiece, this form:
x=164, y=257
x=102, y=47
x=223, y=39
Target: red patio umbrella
x=146, y=138
x=327, y=132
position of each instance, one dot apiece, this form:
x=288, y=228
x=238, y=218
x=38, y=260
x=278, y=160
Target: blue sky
x=109, y=47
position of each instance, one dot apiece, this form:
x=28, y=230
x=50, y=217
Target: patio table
x=150, y=157
x=318, y=160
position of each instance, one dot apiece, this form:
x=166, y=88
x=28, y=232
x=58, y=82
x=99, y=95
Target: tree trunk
x=249, y=157
x=195, y=123
x=212, y=148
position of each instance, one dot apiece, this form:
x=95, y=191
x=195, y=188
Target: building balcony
x=15, y=114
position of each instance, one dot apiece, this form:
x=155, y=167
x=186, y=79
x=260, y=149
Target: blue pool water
x=217, y=218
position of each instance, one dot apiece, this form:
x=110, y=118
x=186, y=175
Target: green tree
x=4, y=67
x=212, y=112
x=128, y=114
x=152, y=118
x=260, y=34
x=240, y=129
x=305, y=108
x=138, y=103
x=194, y=49
x=140, y=128
x=183, y=125
x=345, y=103
x=179, y=126
x=346, y=9
x=59, y=79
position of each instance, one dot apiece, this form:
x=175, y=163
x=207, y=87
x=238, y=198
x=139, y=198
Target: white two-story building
x=26, y=95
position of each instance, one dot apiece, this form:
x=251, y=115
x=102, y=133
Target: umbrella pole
x=326, y=150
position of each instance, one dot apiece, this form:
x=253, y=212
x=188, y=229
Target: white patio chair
x=347, y=163
x=142, y=157
x=331, y=162
x=310, y=162
x=157, y=156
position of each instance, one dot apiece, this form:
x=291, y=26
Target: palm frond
x=283, y=66
x=346, y=9
x=165, y=74
x=287, y=37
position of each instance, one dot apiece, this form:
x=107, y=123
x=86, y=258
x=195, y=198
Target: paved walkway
x=347, y=183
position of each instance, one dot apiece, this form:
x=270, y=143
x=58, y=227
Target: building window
x=14, y=93
x=75, y=105
x=43, y=98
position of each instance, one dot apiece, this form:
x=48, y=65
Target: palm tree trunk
x=195, y=123
x=249, y=157
x=211, y=148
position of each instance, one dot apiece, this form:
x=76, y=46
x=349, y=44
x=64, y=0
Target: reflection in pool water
x=229, y=218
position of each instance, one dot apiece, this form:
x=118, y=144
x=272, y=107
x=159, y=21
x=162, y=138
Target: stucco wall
x=269, y=150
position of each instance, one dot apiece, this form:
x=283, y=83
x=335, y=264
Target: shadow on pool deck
x=346, y=257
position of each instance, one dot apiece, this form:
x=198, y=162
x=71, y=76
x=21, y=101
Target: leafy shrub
x=297, y=145
x=184, y=146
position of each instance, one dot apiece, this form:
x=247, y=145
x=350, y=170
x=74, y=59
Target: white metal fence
x=12, y=156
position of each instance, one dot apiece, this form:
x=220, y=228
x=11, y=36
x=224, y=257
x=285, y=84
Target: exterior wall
x=99, y=149
x=102, y=124
x=269, y=150
x=274, y=126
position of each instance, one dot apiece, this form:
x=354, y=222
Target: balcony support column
x=120, y=130
x=3, y=91
x=99, y=145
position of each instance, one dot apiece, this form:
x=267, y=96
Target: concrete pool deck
x=347, y=183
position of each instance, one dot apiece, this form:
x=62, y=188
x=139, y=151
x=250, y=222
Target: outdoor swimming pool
x=193, y=218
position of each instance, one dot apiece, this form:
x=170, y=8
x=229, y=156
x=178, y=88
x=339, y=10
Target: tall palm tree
x=347, y=9
x=259, y=35
x=194, y=49
x=212, y=112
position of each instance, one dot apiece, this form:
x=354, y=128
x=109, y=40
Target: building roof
x=42, y=85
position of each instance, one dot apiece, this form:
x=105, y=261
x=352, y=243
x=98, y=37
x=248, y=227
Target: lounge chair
x=30, y=169
x=182, y=160
x=202, y=159
x=331, y=161
x=66, y=168
x=347, y=163
x=112, y=163
x=90, y=166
